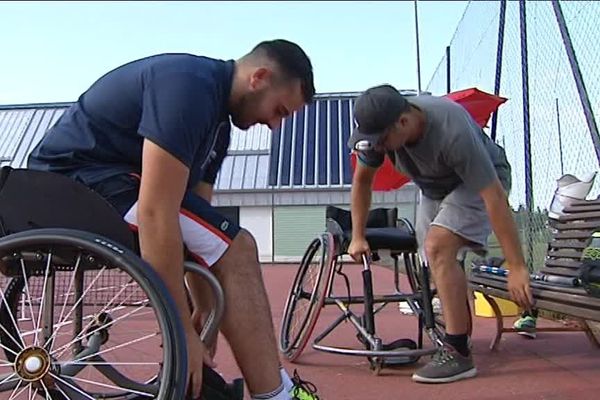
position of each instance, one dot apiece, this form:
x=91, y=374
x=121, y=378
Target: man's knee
x=240, y=261
x=441, y=245
x=245, y=241
x=243, y=247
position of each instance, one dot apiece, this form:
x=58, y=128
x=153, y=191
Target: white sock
x=286, y=380
x=278, y=394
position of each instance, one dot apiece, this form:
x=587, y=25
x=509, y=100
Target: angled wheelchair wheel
x=83, y=318
x=307, y=296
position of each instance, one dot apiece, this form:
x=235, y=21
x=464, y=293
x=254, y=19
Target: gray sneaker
x=447, y=365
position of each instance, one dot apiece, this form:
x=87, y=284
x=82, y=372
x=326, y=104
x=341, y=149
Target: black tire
x=294, y=337
x=173, y=368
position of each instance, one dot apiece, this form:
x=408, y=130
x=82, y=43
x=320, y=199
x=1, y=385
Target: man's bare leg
x=248, y=324
x=441, y=247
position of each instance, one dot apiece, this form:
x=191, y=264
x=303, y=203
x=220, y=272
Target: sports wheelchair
x=75, y=295
x=312, y=289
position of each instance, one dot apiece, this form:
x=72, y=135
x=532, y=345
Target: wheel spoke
x=71, y=386
x=43, y=300
x=14, y=322
x=67, y=294
x=28, y=294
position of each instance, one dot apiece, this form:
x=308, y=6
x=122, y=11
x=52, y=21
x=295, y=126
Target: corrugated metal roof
x=21, y=128
x=243, y=172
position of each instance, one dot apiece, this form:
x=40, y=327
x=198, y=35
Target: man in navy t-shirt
x=150, y=136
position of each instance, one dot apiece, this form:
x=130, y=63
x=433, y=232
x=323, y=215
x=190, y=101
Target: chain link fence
x=543, y=57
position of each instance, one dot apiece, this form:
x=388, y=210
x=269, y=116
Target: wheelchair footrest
x=399, y=345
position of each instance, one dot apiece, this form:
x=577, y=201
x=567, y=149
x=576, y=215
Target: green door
x=295, y=227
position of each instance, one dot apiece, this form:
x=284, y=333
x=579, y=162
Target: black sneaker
x=447, y=365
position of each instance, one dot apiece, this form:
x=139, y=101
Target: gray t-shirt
x=453, y=150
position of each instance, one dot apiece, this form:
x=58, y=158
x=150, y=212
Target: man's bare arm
x=503, y=223
x=164, y=179
x=360, y=203
x=360, y=198
x=504, y=226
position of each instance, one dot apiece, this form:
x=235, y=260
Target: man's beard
x=241, y=115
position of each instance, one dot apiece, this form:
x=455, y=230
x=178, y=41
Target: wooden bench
x=570, y=235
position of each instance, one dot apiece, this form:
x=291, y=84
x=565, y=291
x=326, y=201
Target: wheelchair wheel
x=307, y=296
x=83, y=318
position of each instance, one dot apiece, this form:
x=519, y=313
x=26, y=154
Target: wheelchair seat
x=382, y=232
x=31, y=199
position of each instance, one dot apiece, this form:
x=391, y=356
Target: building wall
x=257, y=220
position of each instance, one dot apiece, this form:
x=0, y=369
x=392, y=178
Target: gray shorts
x=462, y=212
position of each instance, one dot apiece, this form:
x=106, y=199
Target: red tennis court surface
x=554, y=366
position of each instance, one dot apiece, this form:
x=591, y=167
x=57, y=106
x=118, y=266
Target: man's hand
x=197, y=356
x=518, y=287
x=358, y=247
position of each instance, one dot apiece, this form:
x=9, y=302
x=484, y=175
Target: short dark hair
x=292, y=60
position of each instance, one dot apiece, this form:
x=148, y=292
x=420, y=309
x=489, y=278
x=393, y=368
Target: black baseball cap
x=375, y=110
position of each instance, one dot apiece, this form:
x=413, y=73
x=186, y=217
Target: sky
x=53, y=51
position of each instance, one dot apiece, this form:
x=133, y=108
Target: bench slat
x=585, y=202
x=574, y=234
x=563, y=263
x=570, y=226
x=582, y=208
x=567, y=244
x=580, y=216
x=567, y=253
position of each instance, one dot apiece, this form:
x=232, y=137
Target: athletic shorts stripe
x=206, y=233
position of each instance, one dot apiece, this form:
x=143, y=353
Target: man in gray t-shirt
x=463, y=177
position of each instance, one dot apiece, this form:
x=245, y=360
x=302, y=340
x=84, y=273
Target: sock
x=459, y=342
x=288, y=385
x=278, y=394
x=531, y=313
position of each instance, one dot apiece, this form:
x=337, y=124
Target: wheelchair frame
x=332, y=248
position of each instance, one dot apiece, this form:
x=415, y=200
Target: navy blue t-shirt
x=178, y=101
